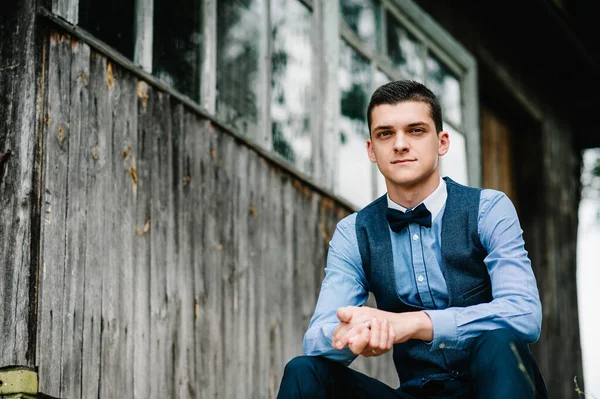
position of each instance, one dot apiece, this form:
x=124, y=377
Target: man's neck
x=410, y=196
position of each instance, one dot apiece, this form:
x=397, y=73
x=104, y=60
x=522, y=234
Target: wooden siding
x=18, y=182
x=177, y=262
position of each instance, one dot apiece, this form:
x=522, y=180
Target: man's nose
x=400, y=142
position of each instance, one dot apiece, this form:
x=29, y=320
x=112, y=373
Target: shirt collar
x=435, y=202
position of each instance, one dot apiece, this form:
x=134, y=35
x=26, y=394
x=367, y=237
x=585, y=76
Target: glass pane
x=354, y=179
x=404, y=49
x=381, y=78
x=454, y=163
x=241, y=28
x=446, y=86
x=291, y=78
x=111, y=21
x=363, y=18
x=177, y=37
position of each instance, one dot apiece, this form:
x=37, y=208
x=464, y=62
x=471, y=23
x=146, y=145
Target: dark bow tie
x=398, y=220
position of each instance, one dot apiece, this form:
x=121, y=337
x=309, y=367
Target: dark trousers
x=495, y=372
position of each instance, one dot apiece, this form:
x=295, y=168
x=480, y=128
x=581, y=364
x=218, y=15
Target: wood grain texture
x=19, y=168
x=180, y=261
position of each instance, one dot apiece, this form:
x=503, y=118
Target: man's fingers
x=358, y=343
x=383, y=335
x=391, y=336
x=375, y=333
x=345, y=314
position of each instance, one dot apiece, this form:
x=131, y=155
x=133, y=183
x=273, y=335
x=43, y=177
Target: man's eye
x=417, y=130
x=385, y=134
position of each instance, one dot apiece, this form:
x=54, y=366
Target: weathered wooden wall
x=18, y=182
x=175, y=261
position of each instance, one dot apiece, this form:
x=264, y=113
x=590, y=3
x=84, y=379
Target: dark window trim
x=106, y=50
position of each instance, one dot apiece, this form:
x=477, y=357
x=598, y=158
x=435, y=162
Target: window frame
x=438, y=42
x=328, y=28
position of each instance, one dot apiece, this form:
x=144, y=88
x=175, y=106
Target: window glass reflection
x=176, y=52
x=355, y=177
x=454, y=163
x=380, y=78
x=446, y=86
x=111, y=21
x=363, y=18
x=240, y=34
x=404, y=49
x=291, y=94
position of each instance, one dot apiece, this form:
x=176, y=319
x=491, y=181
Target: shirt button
x=442, y=345
x=420, y=278
x=415, y=237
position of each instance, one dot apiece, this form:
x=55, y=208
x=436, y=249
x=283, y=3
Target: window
x=268, y=70
x=291, y=82
x=379, y=44
x=355, y=173
x=177, y=45
x=111, y=21
x=241, y=34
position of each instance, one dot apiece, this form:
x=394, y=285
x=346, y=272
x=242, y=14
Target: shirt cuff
x=444, y=329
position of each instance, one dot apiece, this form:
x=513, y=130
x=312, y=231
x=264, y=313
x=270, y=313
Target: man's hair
x=406, y=90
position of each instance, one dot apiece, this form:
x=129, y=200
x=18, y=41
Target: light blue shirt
x=417, y=255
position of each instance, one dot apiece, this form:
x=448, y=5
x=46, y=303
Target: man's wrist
x=423, y=327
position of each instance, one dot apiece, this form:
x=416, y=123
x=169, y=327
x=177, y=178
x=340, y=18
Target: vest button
x=415, y=237
x=420, y=278
x=442, y=345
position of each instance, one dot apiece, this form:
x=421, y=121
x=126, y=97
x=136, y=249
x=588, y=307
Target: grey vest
x=463, y=268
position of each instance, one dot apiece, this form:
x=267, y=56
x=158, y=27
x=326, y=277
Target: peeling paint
x=147, y=226
x=82, y=78
x=142, y=91
x=110, y=77
x=61, y=135
x=134, y=178
x=252, y=211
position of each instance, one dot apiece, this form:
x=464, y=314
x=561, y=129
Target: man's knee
x=303, y=377
x=301, y=365
x=501, y=339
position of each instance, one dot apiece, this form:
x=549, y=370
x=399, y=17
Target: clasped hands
x=366, y=331
x=372, y=332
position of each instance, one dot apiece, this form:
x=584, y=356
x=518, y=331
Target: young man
x=456, y=297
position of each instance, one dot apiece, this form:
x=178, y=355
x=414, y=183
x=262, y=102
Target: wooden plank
x=160, y=247
x=79, y=163
x=202, y=185
x=20, y=66
x=53, y=226
x=96, y=189
x=255, y=195
x=184, y=170
x=239, y=340
x=117, y=282
x=212, y=268
x=144, y=154
x=67, y=9
x=227, y=272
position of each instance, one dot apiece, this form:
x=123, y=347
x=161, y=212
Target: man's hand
x=367, y=330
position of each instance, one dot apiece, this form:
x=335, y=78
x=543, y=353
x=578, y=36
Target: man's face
x=404, y=143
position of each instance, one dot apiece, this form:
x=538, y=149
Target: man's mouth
x=403, y=161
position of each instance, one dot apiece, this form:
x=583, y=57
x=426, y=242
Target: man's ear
x=370, y=151
x=443, y=143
